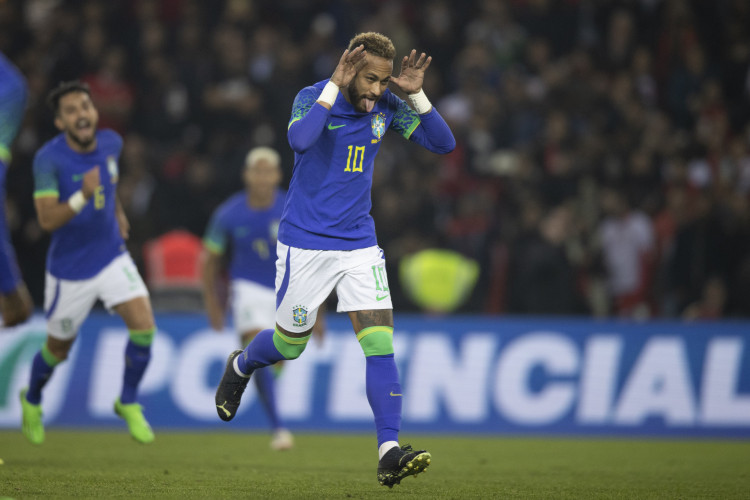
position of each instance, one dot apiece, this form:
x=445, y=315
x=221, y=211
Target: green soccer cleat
x=402, y=462
x=32, y=427
x=137, y=424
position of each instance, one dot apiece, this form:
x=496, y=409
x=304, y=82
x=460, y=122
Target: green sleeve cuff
x=213, y=247
x=46, y=193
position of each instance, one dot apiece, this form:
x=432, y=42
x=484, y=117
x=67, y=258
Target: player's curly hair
x=376, y=44
x=63, y=89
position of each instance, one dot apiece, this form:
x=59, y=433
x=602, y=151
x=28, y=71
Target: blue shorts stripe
x=285, y=281
x=53, y=305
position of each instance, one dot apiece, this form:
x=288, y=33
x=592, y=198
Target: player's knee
x=55, y=353
x=289, y=347
x=376, y=340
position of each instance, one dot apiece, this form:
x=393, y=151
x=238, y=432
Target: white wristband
x=77, y=201
x=420, y=102
x=329, y=94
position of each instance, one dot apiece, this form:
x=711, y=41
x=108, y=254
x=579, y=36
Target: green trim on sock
x=289, y=347
x=376, y=340
x=48, y=357
x=142, y=338
x=291, y=340
x=372, y=329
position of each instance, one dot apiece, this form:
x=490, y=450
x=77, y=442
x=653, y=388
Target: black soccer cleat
x=402, y=462
x=229, y=392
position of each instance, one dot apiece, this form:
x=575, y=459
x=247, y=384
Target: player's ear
x=59, y=123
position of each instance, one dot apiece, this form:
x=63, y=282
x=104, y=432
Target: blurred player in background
x=15, y=301
x=75, y=177
x=327, y=237
x=248, y=224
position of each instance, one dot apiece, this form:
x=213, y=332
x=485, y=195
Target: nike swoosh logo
x=77, y=177
x=221, y=407
x=381, y=298
x=395, y=394
x=331, y=126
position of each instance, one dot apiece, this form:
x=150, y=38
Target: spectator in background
x=627, y=245
x=109, y=87
x=701, y=249
x=711, y=303
x=542, y=278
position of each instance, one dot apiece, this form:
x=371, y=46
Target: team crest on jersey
x=112, y=168
x=378, y=125
x=299, y=315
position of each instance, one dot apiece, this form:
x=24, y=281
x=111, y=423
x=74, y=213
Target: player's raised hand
x=348, y=66
x=412, y=72
x=91, y=181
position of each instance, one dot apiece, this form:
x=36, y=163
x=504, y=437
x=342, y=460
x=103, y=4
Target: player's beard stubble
x=363, y=102
x=84, y=141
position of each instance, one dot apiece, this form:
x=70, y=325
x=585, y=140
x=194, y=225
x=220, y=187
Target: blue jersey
x=251, y=233
x=328, y=207
x=90, y=240
x=12, y=104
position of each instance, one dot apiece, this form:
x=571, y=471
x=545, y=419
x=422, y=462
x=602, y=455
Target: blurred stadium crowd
x=603, y=158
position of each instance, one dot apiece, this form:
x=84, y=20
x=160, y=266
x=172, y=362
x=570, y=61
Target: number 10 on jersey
x=351, y=163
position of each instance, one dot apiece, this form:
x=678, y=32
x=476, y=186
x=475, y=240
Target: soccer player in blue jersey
x=327, y=236
x=75, y=177
x=15, y=301
x=247, y=225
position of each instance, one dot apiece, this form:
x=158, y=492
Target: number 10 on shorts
x=381, y=280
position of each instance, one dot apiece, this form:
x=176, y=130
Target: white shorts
x=305, y=278
x=253, y=306
x=67, y=303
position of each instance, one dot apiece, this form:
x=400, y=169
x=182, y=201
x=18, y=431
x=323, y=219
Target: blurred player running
x=15, y=302
x=327, y=237
x=248, y=223
x=76, y=177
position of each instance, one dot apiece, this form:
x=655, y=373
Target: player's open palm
x=348, y=66
x=91, y=181
x=412, y=72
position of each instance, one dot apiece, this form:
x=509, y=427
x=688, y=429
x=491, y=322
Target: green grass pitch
x=79, y=464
